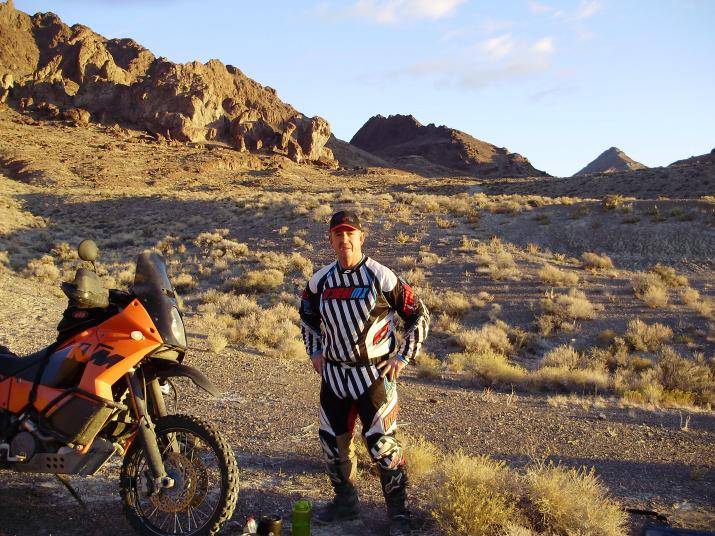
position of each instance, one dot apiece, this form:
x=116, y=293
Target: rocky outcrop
x=707, y=159
x=400, y=139
x=118, y=80
x=610, y=161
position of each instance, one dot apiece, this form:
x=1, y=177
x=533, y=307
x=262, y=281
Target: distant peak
x=610, y=160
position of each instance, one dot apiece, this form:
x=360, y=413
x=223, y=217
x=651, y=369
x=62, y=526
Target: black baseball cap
x=345, y=219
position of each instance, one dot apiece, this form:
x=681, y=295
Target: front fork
x=160, y=480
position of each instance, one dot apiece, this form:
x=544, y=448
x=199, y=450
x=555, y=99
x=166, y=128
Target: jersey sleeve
x=310, y=321
x=412, y=310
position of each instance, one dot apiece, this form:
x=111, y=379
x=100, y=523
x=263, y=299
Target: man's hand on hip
x=318, y=362
x=391, y=368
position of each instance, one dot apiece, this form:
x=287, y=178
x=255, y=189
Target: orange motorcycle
x=99, y=391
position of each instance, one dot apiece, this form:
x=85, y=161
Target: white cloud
x=394, y=11
x=536, y=7
x=544, y=46
x=496, y=25
x=497, y=60
x=498, y=47
x=588, y=8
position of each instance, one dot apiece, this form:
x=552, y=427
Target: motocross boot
x=394, y=488
x=345, y=504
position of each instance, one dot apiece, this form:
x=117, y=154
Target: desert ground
x=572, y=319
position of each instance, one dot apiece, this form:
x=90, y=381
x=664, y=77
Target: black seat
x=24, y=367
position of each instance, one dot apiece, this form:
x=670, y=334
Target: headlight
x=177, y=328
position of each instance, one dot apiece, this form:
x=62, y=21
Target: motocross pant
x=377, y=406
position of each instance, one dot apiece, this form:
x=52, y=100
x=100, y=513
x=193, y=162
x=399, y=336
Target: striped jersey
x=349, y=315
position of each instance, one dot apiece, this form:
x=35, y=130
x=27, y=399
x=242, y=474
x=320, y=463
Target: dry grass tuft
x=488, y=367
x=482, y=497
x=421, y=456
x=562, y=356
x=258, y=280
x=184, y=282
x=573, y=501
x=43, y=269
x=561, y=310
x=428, y=366
x=217, y=342
x=692, y=299
x=668, y=276
x=489, y=337
x=477, y=496
x=554, y=378
x=650, y=288
x=643, y=337
x=556, y=277
x=594, y=261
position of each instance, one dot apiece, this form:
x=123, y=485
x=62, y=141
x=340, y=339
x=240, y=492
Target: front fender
x=170, y=369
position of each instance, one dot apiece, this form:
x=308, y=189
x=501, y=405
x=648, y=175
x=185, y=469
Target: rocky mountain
x=404, y=142
x=609, y=161
x=708, y=158
x=76, y=74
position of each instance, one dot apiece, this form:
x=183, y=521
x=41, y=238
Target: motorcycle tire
x=152, y=515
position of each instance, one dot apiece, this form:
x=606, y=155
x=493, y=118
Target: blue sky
x=556, y=81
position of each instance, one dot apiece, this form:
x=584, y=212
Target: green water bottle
x=300, y=522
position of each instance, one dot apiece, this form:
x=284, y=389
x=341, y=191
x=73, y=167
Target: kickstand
x=66, y=482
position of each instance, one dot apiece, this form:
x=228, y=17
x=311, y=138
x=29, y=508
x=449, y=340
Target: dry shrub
x=275, y=330
x=301, y=264
x=322, y=213
x=217, y=342
x=43, y=269
x=573, y=501
x=446, y=324
x=692, y=298
x=258, y=280
x=642, y=337
x=503, y=266
x=489, y=337
x=450, y=302
x=487, y=366
x=477, y=496
x=613, y=201
x=236, y=305
x=427, y=258
x=650, y=288
x=428, y=366
x=183, y=282
x=208, y=239
x=594, y=261
x=562, y=356
x=415, y=277
x=64, y=252
x=668, y=276
x=554, y=276
x=677, y=373
x=482, y=497
x=421, y=457
x=570, y=379
x=673, y=380
x=560, y=310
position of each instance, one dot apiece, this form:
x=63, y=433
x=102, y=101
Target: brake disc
x=183, y=492
x=202, y=482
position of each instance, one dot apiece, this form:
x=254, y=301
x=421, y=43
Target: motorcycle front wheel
x=205, y=474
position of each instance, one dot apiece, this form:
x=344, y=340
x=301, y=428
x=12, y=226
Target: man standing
x=347, y=321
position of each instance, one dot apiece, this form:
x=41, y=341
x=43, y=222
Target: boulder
x=312, y=135
x=78, y=116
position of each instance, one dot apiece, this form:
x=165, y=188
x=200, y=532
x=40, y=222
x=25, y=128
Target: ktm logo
x=103, y=356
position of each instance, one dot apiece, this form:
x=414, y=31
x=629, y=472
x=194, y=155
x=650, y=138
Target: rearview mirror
x=88, y=250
